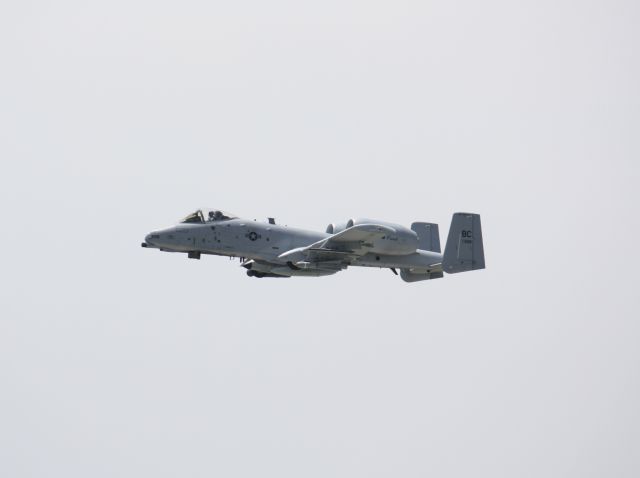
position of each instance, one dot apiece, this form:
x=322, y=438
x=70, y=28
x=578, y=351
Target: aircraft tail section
x=464, y=250
x=428, y=236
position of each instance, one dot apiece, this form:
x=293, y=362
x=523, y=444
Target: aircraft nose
x=148, y=240
x=160, y=239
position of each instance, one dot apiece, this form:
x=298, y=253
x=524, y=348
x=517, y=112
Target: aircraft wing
x=342, y=246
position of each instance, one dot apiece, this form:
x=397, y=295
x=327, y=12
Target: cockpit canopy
x=207, y=215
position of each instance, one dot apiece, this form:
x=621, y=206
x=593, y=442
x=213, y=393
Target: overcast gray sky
x=120, y=117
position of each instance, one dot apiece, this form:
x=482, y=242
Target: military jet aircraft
x=267, y=249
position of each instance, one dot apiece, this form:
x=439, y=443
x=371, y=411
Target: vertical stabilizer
x=464, y=250
x=428, y=236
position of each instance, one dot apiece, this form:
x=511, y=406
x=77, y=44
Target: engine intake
x=339, y=227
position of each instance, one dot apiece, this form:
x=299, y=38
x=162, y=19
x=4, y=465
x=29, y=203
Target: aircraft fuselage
x=273, y=250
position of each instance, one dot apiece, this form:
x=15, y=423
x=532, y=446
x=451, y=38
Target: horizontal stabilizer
x=409, y=276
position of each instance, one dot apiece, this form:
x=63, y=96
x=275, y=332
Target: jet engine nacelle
x=339, y=227
x=402, y=241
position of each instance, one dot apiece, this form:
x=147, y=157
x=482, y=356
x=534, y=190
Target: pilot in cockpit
x=216, y=216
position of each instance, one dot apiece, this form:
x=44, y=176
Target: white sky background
x=120, y=117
